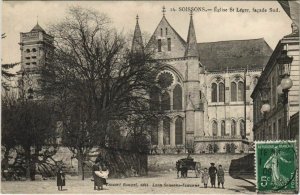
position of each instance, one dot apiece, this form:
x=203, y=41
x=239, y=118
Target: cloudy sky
x=210, y=26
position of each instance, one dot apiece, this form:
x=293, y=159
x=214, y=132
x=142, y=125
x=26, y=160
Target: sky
x=21, y=16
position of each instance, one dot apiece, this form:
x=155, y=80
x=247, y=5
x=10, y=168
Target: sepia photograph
x=150, y=97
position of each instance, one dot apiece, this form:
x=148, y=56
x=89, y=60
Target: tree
x=6, y=75
x=94, y=79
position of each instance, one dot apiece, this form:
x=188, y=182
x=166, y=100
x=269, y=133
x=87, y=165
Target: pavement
x=154, y=183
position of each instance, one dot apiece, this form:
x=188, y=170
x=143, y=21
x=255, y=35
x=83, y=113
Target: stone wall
x=167, y=162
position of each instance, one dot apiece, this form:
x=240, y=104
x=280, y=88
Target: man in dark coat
x=98, y=182
x=212, y=174
x=61, y=181
x=220, y=175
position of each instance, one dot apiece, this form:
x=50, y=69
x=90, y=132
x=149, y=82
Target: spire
x=137, y=42
x=191, y=48
x=164, y=11
x=38, y=28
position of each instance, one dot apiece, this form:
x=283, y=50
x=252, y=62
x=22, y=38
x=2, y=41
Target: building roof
x=236, y=54
x=37, y=28
x=137, y=42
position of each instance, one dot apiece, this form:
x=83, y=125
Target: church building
x=207, y=88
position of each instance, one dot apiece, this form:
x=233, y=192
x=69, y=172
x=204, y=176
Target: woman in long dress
x=98, y=184
x=272, y=163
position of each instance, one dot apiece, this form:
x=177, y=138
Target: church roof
x=37, y=28
x=236, y=54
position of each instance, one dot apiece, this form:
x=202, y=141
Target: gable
x=162, y=33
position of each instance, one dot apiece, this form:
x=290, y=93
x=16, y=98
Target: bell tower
x=36, y=49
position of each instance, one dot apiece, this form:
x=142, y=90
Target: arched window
x=242, y=128
x=28, y=50
x=214, y=127
x=254, y=80
x=161, y=32
x=166, y=31
x=169, y=44
x=240, y=91
x=221, y=92
x=159, y=45
x=33, y=50
x=223, y=132
x=233, y=128
x=166, y=130
x=233, y=92
x=214, y=92
x=165, y=101
x=154, y=99
x=154, y=132
x=177, y=97
x=178, y=131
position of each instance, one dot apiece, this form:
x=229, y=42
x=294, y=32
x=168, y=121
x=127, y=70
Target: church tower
x=194, y=109
x=137, y=42
x=36, y=49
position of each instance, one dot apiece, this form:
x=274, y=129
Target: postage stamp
x=276, y=166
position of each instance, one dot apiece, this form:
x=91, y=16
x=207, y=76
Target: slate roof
x=37, y=28
x=237, y=54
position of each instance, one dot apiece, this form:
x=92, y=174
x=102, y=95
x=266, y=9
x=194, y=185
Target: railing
x=215, y=138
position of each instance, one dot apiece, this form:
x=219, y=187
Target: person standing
x=205, y=177
x=212, y=174
x=98, y=183
x=61, y=180
x=220, y=174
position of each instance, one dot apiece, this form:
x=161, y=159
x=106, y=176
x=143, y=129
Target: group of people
x=99, y=170
x=211, y=173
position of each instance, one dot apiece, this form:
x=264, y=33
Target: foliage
x=94, y=79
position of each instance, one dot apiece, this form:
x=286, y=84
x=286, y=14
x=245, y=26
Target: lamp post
x=264, y=90
x=284, y=68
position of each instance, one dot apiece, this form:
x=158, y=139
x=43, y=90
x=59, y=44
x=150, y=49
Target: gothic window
x=154, y=132
x=169, y=44
x=233, y=128
x=221, y=92
x=165, y=79
x=241, y=91
x=166, y=131
x=242, y=128
x=154, y=99
x=165, y=101
x=233, y=92
x=214, y=127
x=178, y=131
x=33, y=50
x=161, y=32
x=166, y=31
x=159, y=45
x=254, y=81
x=214, y=91
x=177, y=98
x=223, y=132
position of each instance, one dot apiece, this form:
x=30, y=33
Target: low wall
x=167, y=162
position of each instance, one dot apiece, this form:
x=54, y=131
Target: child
x=61, y=181
x=220, y=174
x=205, y=177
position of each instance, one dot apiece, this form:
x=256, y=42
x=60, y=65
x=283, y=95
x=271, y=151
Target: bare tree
x=95, y=79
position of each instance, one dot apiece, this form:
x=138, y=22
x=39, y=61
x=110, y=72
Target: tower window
x=27, y=50
x=166, y=31
x=27, y=63
x=169, y=44
x=33, y=57
x=27, y=58
x=33, y=50
x=159, y=45
x=34, y=63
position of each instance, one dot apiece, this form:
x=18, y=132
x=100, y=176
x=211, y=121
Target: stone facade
x=272, y=127
x=206, y=102
x=36, y=49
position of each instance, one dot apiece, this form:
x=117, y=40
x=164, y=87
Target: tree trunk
x=27, y=159
x=81, y=166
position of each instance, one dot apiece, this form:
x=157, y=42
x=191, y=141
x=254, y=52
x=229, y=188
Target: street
x=153, y=183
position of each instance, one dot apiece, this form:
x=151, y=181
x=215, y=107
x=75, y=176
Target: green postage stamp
x=276, y=166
